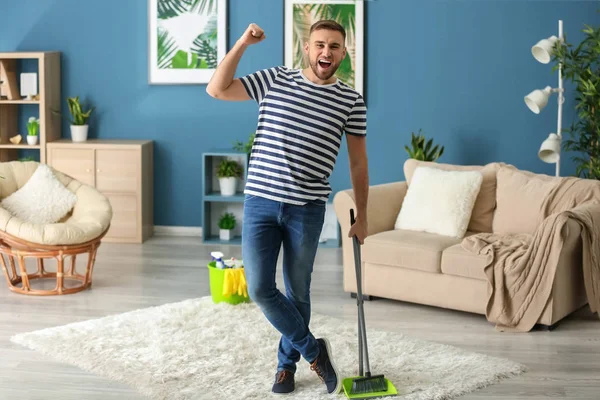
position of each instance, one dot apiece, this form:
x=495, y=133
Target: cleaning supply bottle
x=218, y=259
x=230, y=263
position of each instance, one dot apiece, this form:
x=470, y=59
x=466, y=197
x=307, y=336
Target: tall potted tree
x=581, y=65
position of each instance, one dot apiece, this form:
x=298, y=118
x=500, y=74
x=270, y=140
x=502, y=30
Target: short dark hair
x=328, y=24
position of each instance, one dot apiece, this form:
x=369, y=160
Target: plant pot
x=225, y=234
x=32, y=140
x=79, y=133
x=228, y=186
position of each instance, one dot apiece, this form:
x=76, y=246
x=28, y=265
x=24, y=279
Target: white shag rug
x=196, y=349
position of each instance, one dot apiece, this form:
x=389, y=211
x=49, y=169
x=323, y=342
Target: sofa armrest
x=568, y=290
x=383, y=207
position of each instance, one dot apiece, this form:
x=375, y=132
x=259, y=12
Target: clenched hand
x=253, y=34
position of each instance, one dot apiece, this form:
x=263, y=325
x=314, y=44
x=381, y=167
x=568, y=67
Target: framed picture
x=187, y=40
x=301, y=14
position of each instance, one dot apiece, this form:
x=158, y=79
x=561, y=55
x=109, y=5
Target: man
x=302, y=117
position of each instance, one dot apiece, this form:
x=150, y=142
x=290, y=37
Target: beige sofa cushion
x=483, y=211
x=519, y=199
x=459, y=262
x=408, y=249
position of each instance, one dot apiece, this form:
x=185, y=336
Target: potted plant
x=421, y=148
x=228, y=173
x=227, y=223
x=79, y=125
x=33, y=125
x=580, y=65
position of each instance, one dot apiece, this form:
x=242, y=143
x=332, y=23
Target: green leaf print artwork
x=187, y=34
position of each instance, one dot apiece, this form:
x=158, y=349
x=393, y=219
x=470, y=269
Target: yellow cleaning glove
x=234, y=282
x=227, y=283
x=243, y=286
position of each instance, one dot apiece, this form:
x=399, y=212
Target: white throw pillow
x=42, y=200
x=439, y=201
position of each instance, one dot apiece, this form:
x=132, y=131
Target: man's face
x=325, y=50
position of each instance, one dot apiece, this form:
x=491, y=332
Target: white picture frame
x=314, y=10
x=29, y=85
x=186, y=37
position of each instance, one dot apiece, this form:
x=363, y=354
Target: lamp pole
x=561, y=98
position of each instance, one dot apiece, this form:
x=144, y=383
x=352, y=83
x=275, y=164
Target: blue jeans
x=267, y=225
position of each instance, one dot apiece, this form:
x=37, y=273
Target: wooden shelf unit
x=49, y=93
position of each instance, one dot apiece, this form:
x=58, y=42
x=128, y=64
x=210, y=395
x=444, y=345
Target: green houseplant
x=227, y=223
x=245, y=147
x=421, y=149
x=229, y=172
x=79, y=120
x=33, y=126
x=580, y=65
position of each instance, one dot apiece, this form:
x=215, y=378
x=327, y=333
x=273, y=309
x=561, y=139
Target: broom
x=366, y=385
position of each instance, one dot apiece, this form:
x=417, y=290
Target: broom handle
x=360, y=350
x=358, y=300
x=362, y=331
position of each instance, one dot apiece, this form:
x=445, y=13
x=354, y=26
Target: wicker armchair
x=77, y=233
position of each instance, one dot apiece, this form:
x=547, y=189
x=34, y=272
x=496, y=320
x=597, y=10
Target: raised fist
x=253, y=34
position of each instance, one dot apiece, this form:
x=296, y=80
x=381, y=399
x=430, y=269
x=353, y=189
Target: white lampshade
x=542, y=51
x=550, y=149
x=538, y=99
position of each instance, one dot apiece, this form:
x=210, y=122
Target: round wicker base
x=15, y=251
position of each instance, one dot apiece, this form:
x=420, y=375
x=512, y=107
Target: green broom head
x=369, y=384
x=367, y=387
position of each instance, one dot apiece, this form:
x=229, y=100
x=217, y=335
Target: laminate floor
x=564, y=363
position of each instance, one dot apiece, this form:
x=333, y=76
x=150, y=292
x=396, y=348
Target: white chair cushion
x=42, y=200
x=439, y=201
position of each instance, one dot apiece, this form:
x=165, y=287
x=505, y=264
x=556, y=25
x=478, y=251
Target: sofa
x=433, y=269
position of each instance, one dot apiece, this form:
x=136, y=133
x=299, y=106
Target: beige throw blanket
x=521, y=268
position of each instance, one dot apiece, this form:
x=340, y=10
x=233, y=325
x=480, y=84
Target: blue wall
x=456, y=69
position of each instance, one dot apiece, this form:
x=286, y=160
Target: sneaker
x=284, y=382
x=325, y=368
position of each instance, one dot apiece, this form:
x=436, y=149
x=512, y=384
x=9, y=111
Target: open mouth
x=324, y=64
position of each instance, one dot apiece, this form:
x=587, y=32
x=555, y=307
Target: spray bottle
x=218, y=259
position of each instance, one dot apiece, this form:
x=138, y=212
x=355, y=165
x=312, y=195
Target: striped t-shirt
x=299, y=132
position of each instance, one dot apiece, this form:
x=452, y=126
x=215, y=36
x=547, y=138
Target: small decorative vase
x=79, y=133
x=225, y=234
x=32, y=140
x=228, y=186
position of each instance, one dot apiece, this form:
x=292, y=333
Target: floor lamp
x=542, y=51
